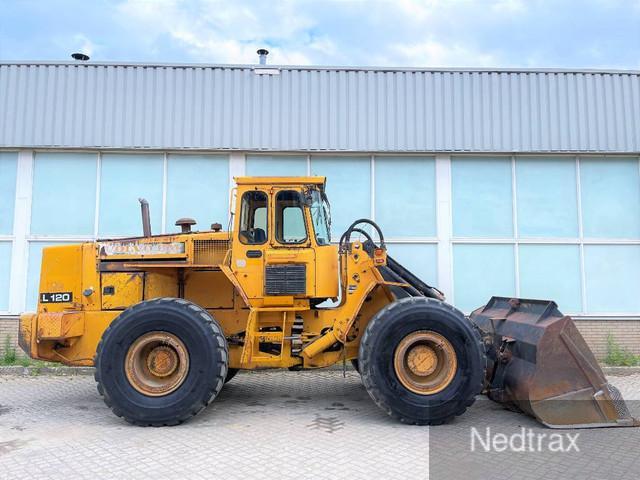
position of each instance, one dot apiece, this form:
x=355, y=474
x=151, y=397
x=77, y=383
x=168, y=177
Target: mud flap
x=539, y=363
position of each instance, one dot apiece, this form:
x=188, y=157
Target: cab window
x=253, y=218
x=290, y=225
x=321, y=217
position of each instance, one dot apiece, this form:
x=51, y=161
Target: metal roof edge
x=323, y=67
x=253, y=150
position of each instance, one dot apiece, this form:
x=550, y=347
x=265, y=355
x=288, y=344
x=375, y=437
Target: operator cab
x=282, y=253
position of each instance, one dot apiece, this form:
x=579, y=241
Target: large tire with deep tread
x=376, y=360
x=208, y=362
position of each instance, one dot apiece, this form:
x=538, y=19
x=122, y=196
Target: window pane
x=8, y=169
x=125, y=178
x=198, y=188
x=551, y=272
x=260, y=218
x=410, y=182
x=610, y=191
x=419, y=259
x=482, y=203
x=293, y=225
x=253, y=218
x=612, y=278
x=348, y=189
x=33, y=271
x=480, y=272
x=5, y=272
x=547, y=198
x=290, y=227
x=64, y=194
x=276, y=165
x=320, y=216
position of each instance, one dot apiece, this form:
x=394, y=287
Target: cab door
x=289, y=269
x=251, y=242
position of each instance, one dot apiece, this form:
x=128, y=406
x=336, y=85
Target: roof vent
x=262, y=55
x=81, y=57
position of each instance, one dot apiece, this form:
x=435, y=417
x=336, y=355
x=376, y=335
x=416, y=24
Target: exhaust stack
x=146, y=218
x=262, y=56
x=80, y=57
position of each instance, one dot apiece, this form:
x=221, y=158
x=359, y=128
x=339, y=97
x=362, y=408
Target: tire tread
x=206, y=320
x=369, y=377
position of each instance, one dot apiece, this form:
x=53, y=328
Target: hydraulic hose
x=346, y=236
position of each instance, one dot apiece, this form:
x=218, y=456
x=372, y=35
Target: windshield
x=321, y=217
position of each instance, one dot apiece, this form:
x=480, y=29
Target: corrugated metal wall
x=126, y=106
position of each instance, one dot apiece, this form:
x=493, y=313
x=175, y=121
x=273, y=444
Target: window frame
x=240, y=217
x=11, y=192
x=276, y=230
x=517, y=239
x=21, y=236
x=324, y=202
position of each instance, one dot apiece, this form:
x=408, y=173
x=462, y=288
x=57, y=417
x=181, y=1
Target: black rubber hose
x=346, y=236
x=364, y=232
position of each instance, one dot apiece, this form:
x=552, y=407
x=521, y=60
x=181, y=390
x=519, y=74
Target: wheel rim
x=157, y=363
x=425, y=362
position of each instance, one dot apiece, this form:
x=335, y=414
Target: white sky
x=428, y=33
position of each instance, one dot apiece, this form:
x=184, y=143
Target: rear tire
x=135, y=395
x=385, y=336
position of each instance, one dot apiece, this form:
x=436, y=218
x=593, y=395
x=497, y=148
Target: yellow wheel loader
x=168, y=319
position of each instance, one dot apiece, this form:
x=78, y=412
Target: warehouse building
x=507, y=182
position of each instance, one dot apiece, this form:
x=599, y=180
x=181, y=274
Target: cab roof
x=281, y=180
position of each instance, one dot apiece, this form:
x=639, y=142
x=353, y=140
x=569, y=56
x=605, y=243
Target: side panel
x=160, y=283
x=327, y=282
x=121, y=290
x=209, y=289
x=247, y=264
x=60, y=278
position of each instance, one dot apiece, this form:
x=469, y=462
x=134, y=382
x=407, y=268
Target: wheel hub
x=425, y=362
x=162, y=361
x=157, y=363
x=422, y=360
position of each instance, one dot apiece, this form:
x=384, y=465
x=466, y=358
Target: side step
x=539, y=363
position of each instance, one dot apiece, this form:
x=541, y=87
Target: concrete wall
x=595, y=332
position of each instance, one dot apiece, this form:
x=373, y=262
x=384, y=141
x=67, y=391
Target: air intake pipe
x=146, y=218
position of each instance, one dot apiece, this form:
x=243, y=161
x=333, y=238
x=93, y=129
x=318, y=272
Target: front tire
x=422, y=361
x=161, y=362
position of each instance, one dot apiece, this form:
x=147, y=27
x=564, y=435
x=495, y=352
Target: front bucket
x=539, y=363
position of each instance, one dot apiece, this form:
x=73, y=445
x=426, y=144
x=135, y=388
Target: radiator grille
x=209, y=252
x=288, y=279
